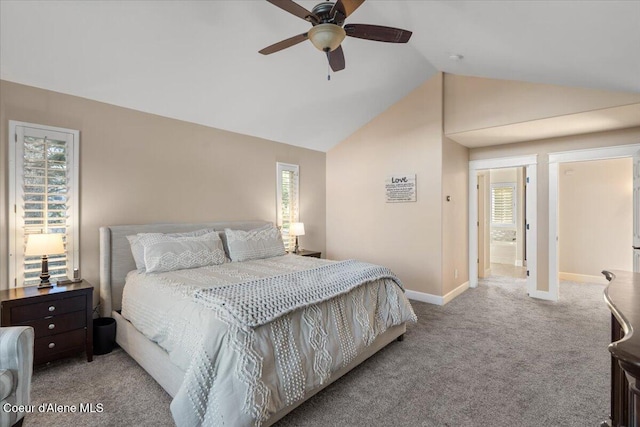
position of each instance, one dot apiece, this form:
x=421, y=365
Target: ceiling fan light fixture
x=327, y=37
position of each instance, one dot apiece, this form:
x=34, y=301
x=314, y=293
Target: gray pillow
x=263, y=242
x=137, y=250
x=169, y=253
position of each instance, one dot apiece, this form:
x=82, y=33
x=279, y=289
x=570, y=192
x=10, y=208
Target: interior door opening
x=502, y=222
x=504, y=215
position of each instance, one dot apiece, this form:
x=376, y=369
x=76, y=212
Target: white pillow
x=263, y=242
x=164, y=252
x=137, y=250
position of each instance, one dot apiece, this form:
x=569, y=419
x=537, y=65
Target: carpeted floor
x=492, y=357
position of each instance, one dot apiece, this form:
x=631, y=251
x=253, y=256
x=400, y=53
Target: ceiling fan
x=327, y=31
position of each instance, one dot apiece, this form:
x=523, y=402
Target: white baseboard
x=424, y=297
x=436, y=299
x=582, y=278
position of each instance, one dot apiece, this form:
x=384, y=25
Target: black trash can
x=104, y=335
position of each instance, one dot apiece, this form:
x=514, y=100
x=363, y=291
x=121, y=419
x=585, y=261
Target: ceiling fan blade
x=295, y=9
x=276, y=47
x=346, y=7
x=378, y=33
x=336, y=59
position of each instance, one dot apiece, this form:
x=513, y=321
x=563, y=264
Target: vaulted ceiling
x=198, y=60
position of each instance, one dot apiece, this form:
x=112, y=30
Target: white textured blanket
x=260, y=301
x=240, y=376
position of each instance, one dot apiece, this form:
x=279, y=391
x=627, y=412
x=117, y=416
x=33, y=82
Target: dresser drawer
x=24, y=313
x=47, y=347
x=58, y=324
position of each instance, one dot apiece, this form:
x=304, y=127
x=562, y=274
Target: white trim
x=530, y=162
x=603, y=153
x=424, y=297
x=280, y=167
x=503, y=162
x=531, y=228
x=436, y=299
x=73, y=244
x=473, y=226
x=553, y=230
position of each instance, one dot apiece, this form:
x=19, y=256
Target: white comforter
x=240, y=376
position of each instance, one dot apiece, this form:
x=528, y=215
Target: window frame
x=73, y=219
x=514, y=207
x=281, y=167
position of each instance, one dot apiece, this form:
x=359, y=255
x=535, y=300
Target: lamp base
x=45, y=285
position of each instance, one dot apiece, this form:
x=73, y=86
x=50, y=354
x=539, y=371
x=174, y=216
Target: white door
x=636, y=211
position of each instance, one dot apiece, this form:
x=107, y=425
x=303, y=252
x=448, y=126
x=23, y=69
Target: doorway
x=480, y=194
x=506, y=222
x=555, y=160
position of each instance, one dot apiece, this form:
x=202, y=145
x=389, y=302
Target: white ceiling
x=198, y=60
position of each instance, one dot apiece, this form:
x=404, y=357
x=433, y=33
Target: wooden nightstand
x=62, y=318
x=313, y=254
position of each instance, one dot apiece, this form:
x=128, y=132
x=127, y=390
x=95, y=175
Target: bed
x=167, y=354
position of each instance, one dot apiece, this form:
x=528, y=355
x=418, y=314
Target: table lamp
x=44, y=244
x=296, y=229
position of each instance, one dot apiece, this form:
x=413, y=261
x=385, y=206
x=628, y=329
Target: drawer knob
x=52, y=307
x=52, y=325
x=52, y=344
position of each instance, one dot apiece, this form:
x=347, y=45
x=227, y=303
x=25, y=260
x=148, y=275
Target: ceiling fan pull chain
x=328, y=72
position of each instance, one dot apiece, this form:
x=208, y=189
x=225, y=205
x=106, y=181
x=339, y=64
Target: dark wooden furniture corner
x=62, y=318
x=313, y=254
x=622, y=295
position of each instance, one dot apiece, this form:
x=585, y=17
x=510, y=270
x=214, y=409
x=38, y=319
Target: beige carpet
x=492, y=357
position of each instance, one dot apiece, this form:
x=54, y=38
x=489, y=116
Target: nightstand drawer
x=24, y=313
x=47, y=347
x=58, y=324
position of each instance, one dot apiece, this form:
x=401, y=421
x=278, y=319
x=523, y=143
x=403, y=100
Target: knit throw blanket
x=258, y=302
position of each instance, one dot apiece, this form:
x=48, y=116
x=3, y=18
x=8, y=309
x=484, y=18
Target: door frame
x=601, y=153
x=530, y=162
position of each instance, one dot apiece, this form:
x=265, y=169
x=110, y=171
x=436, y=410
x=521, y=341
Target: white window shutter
x=43, y=193
x=503, y=204
x=287, y=201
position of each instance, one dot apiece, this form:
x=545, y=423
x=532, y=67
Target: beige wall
x=473, y=103
x=595, y=217
x=140, y=168
x=406, y=237
x=455, y=215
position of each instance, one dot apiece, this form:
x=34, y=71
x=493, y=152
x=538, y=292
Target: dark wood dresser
x=622, y=295
x=61, y=318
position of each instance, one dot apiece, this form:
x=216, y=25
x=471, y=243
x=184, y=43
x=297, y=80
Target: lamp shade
x=44, y=244
x=326, y=37
x=296, y=229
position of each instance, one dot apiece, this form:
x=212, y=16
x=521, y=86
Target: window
x=43, y=198
x=287, y=201
x=503, y=208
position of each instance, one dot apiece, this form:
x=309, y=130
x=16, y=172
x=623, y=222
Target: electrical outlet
x=455, y=273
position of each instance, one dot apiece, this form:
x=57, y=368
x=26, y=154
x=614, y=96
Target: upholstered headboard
x=116, y=259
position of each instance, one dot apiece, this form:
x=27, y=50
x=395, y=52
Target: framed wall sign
x=401, y=188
